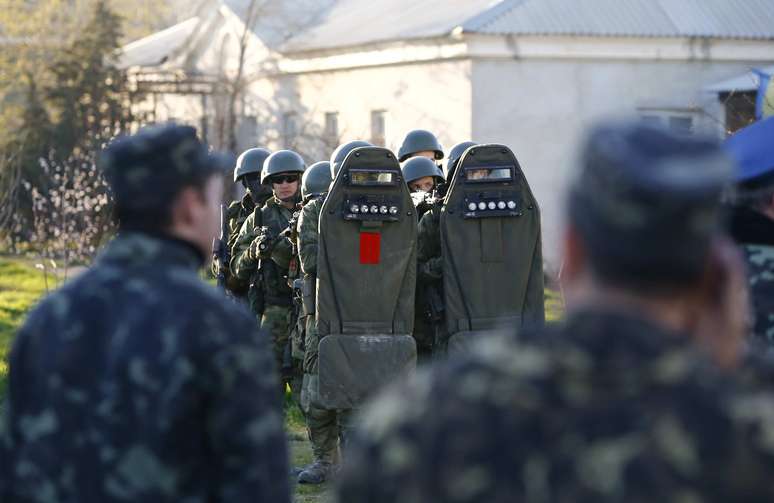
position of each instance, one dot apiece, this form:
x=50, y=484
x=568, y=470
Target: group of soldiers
x=268, y=256
x=136, y=381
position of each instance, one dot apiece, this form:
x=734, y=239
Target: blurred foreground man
x=137, y=381
x=627, y=400
x=752, y=222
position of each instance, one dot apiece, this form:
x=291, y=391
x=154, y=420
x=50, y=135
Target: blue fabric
x=753, y=150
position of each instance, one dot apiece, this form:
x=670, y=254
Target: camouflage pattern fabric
x=275, y=322
x=322, y=424
x=760, y=270
x=754, y=233
x=609, y=408
x=308, y=235
x=244, y=263
x=429, y=275
x=138, y=382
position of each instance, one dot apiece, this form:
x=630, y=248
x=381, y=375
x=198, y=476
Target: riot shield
x=491, y=245
x=366, y=276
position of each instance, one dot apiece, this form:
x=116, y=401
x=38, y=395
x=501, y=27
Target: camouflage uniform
x=236, y=213
x=608, y=408
x=429, y=276
x=322, y=423
x=151, y=380
x=754, y=232
x=277, y=296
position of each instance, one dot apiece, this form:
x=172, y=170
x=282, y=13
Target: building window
x=378, y=127
x=332, y=125
x=289, y=129
x=678, y=120
x=681, y=124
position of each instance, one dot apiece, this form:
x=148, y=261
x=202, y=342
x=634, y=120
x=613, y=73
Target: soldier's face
x=424, y=184
x=478, y=174
x=285, y=186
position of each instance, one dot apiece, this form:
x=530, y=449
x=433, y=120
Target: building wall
x=540, y=108
x=434, y=96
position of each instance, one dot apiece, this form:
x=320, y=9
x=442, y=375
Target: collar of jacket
x=134, y=248
x=749, y=227
x=247, y=202
x=273, y=201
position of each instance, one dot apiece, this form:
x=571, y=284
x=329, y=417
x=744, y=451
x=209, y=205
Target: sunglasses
x=284, y=179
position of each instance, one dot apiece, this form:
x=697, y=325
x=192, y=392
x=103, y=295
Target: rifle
x=220, y=251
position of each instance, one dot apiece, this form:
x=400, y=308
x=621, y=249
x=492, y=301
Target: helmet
x=282, y=161
x=418, y=167
x=454, y=155
x=251, y=161
x=316, y=179
x=338, y=155
x=419, y=140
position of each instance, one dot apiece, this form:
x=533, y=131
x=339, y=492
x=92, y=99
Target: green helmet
x=418, y=167
x=454, y=156
x=419, y=140
x=282, y=161
x=316, y=179
x=251, y=161
x=338, y=155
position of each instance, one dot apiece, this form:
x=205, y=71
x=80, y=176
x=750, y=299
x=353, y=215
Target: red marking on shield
x=370, y=247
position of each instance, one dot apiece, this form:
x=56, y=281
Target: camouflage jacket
x=755, y=234
x=136, y=381
x=429, y=253
x=274, y=262
x=309, y=235
x=609, y=408
x=236, y=214
x=238, y=211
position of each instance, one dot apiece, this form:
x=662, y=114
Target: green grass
x=21, y=285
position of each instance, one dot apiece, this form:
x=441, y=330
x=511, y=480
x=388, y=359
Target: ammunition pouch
x=353, y=367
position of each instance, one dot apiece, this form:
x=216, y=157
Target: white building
x=532, y=74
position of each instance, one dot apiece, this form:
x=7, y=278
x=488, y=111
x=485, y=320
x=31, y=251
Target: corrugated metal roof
x=743, y=19
x=358, y=22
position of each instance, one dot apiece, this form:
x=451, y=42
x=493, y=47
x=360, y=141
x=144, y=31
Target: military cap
x=419, y=140
x=316, y=179
x=454, y=155
x=752, y=148
x=282, y=161
x=647, y=201
x=146, y=169
x=338, y=155
x=418, y=167
x=250, y=161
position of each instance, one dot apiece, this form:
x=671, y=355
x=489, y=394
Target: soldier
x=752, y=221
x=264, y=254
x=248, y=172
x=137, y=381
x=420, y=143
x=626, y=401
x=322, y=423
x=429, y=237
x=422, y=176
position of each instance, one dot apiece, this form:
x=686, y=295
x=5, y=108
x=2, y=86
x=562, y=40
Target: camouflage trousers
x=321, y=424
x=275, y=320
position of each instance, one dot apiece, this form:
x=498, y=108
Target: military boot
x=316, y=473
